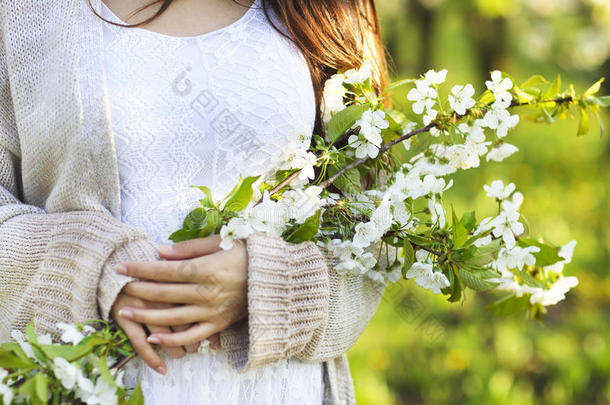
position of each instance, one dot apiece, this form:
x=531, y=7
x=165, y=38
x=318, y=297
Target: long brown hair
x=332, y=34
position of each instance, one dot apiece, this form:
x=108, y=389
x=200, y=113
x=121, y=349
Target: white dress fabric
x=203, y=110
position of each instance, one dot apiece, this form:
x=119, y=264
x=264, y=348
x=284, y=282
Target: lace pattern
x=202, y=111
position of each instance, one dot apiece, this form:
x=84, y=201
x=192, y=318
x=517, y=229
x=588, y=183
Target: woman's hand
x=137, y=334
x=210, y=282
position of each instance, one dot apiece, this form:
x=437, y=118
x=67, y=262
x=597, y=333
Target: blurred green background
x=419, y=349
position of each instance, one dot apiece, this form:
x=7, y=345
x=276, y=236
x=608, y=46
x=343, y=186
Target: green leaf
x=102, y=365
x=583, y=126
x=349, y=182
x=419, y=240
x=182, y=234
x=41, y=387
x=553, y=89
x=242, y=195
x=484, y=255
x=211, y=224
x=342, y=121
x=30, y=333
x=474, y=281
x=547, y=256
x=460, y=233
x=533, y=81
x=306, y=231
x=469, y=220
x=70, y=353
x=28, y=389
x=510, y=305
x=486, y=98
x=409, y=253
x=194, y=219
x=593, y=90
x=12, y=361
x=207, y=202
x=456, y=289
x=136, y=398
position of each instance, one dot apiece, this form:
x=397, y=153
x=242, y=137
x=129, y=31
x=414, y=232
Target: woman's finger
x=177, y=271
x=165, y=317
x=137, y=336
x=170, y=293
x=192, y=348
x=175, y=352
x=190, y=249
x=194, y=334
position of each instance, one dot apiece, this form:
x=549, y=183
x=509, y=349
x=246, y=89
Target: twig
x=123, y=362
x=384, y=148
x=429, y=250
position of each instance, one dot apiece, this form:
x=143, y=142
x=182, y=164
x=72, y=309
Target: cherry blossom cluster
x=398, y=227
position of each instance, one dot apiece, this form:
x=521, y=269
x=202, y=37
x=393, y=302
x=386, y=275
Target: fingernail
x=154, y=340
x=165, y=249
x=121, y=268
x=125, y=313
x=161, y=370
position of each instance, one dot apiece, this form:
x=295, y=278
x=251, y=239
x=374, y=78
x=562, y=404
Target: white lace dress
x=204, y=110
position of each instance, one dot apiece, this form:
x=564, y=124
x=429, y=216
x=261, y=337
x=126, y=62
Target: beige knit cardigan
x=60, y=228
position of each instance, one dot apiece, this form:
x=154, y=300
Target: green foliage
x=342, y=121
x=306, y=231
x=241, y=196
x=33, y=376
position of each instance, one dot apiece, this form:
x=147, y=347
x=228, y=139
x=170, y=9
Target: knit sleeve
x=299, y=306
x=55, y=266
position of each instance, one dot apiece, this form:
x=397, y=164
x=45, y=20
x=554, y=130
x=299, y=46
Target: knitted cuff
x=288, y=297
x=111, y=283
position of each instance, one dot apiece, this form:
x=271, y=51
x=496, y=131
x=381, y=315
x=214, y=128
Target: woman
x=102, y=131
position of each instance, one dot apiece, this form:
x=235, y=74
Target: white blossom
x=332, y=100
x=502, y=152
x=268, y=216
x=434, y=78
x=101, y=393
x=66, y=372
x=308, y=166
x=237, y=228
x=369, y=139
x=496, y=114
x=363, y=148
x=427, y=278
x=500, y=86
x=302, y=204
x=514, y=203
x=423, y=96
x=565, y=252
x=507, y=226
x=401, y=215
x=5, y=391
x=437, y=212
x=506, y=122
x=361, y=75
x=554, y=294
x=382, y=218
x=461, y=99
x=366, y=233
x=516, y=258
x=19, y=337
x=71, y=334
x=498, y=190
